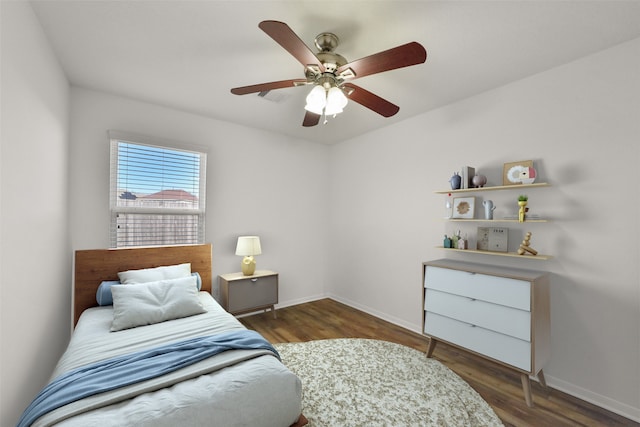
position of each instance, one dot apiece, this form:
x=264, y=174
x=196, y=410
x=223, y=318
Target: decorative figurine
x=524, y=247
x=463, y=243
x=447, y=242
x=488, y=209
x=455, y=181
x=522, y=202
x=479, y=181
x=454, y=240
x=448, y=211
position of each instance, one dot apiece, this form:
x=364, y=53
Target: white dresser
x=496, y=312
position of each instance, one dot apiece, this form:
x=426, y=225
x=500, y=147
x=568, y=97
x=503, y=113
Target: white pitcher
x=488, y=209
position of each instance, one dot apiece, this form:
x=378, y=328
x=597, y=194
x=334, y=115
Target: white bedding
x=258, y=391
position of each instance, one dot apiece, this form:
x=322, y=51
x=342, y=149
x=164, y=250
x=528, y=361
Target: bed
x=213, y=370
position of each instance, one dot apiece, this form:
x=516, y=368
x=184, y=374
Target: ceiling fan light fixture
x=328, y=72
x=336, y=101
x=316, y=100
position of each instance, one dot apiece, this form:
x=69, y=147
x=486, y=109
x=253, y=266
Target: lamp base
x=248, y=266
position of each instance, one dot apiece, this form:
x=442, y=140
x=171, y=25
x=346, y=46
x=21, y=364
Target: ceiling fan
x=331, y=74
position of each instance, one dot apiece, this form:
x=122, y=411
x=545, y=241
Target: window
x=157, y=193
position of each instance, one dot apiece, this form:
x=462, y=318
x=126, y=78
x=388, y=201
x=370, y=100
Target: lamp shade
x=336, y=101
x=316, y=100
x=248, y=246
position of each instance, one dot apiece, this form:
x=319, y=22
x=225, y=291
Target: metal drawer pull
x=254, y=280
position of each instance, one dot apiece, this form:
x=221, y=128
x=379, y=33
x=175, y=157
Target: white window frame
x=117, y=137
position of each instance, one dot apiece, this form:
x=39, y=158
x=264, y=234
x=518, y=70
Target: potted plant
x=522, y=202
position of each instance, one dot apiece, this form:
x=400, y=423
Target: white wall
x=35, y=259
x=579, y=123
x=257, y=183
x=368, y=204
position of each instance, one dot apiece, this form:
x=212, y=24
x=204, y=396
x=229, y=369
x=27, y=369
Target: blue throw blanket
x=132, y=368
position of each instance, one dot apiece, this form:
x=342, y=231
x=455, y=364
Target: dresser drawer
x=507, y=349
x=499, y=290
x=252, y=292
x=499, y=318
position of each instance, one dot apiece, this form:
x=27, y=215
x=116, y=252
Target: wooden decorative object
x=524, y=247
x=97, y=265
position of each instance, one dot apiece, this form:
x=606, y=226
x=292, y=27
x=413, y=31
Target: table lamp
x=248, y=246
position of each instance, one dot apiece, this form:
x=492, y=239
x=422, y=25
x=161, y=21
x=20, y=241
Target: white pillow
x=155, y=274
x=154, y=302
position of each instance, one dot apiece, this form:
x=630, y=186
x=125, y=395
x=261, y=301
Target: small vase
x=455, y=181
x=488, y=209
x=522, y=210
x=447, y=209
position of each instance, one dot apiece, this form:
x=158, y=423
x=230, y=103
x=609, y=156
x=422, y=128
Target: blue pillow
x=104, y=296
x=198, y=280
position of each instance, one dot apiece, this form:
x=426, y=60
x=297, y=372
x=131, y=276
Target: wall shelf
x=519, y=188
x=496, y=188
x=538, y=257
x=494, y=220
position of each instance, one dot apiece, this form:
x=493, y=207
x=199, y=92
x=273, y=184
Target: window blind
x=157, y=194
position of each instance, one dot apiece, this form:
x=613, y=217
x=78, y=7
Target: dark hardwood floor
x=499, y=386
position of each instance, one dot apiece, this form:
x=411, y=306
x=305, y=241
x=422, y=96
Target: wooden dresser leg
x=432, y=346
x=273, y=310
x=541, y=379
x=526, y=388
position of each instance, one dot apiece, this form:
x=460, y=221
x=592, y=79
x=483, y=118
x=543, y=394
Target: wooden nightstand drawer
x=242, y=294
x=254, y=292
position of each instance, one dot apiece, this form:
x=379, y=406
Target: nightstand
x=243, y=294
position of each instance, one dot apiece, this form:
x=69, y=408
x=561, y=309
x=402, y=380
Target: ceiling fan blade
x=262, y=87
x=402, y=56
x=310, y=119
x=371, y=100
x=285, y=37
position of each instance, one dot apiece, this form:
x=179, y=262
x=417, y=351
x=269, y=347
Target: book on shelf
x=467, y=174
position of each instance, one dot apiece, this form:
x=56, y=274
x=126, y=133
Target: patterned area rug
x=362, y=382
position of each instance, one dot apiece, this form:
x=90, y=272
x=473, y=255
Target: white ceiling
x=189, y=54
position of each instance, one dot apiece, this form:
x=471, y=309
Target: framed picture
x=463, y=207
x=512, y=172
x=492, y=239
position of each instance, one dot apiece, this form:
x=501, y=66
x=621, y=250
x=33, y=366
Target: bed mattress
x=233, y=388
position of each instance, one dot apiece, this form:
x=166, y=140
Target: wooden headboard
x=96, y=265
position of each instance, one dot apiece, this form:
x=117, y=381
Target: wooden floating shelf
x=496, y=188
x=494, y=220
x=538, y=257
